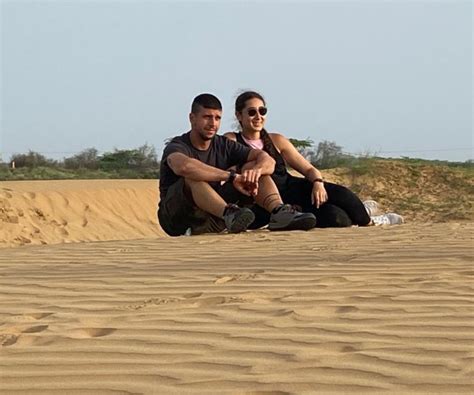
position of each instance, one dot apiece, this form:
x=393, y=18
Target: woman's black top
x=281, y=171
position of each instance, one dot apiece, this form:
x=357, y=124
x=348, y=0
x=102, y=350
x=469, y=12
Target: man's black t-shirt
x=222, y=153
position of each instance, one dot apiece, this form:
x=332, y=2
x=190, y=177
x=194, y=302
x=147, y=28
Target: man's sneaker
x=237, y=219
x=388, y=219
x=372, y=207
x=287, y=218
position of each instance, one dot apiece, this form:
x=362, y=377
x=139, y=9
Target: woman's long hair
x=240, y=102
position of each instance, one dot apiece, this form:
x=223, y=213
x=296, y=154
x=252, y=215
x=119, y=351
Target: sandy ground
x=358, y=310
x=51, y=212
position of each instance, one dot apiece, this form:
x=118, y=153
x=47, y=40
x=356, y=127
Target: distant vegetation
x=329, y=155
x=142, y=162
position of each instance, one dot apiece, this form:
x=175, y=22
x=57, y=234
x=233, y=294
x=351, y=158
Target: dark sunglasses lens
x=252, y=112
x=262, y=111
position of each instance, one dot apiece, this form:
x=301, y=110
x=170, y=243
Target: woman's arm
x=293, y=158
x=230, y=136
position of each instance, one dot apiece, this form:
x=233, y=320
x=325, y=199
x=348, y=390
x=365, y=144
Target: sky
x=388, y=78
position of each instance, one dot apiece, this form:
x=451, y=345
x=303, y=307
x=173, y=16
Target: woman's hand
x=319, y=195
x=252, y=176
x=246, y=185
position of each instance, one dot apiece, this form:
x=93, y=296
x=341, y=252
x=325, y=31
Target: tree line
x=143, y=162
x=143, y=157
x=325, y=154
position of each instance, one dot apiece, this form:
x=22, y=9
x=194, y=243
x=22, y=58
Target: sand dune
x=360, y=310
x=51, y=212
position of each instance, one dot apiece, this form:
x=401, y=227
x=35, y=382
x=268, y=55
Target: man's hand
x=319, y=194
x=245, y=185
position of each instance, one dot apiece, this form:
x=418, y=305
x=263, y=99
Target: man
x=198, y=192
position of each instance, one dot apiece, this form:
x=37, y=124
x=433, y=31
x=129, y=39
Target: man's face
x=206, y=122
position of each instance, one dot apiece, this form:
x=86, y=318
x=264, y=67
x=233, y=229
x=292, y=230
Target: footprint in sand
x=346, y=349
x=8, y=339
x=35, y=232
x=22, y=240
x=237, y=277
x=31, y=317
x=118, y=250
x=192, y=295
x=346, y=309
x=161, y=301
x=7, y=194
x=149, y=303
x=64, y=232
x=35, y=329
x=5, y=203
x=12, y=219
x=238, y=299
x=87, y=333
x=38, y=213
x=211, y=301
x=225, y=279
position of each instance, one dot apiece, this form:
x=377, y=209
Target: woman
x=333, y=205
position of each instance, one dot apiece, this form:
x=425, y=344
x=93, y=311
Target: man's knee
x=193, y=188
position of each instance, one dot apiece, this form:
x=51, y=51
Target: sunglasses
x=253, y=111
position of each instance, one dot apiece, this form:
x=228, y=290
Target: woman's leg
x=331, y=216
x=343, y=207
x=347, y=200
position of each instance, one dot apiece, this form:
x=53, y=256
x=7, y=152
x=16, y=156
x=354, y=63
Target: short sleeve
x=176, y=146
x=237, y=153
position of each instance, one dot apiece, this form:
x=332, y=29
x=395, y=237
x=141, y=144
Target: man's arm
x=259, y=159
x=187, y=167
x=259, y=163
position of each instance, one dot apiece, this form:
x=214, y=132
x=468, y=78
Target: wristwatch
x=232, y=176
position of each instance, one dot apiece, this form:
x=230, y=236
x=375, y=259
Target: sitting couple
x=210, y=183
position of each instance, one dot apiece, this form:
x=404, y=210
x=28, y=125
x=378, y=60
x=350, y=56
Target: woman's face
x=253, y=115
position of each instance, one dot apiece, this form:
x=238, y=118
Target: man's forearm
x=266, y=163
x=199, y=171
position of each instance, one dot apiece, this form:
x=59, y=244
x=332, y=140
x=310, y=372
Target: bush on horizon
x=143, y=163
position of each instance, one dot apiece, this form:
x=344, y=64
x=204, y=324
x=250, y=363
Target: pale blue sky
x=393, y=78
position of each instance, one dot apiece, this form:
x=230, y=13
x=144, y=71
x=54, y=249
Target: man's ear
x=191, y=117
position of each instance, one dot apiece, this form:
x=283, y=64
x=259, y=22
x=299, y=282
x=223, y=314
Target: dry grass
x=421, y=192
